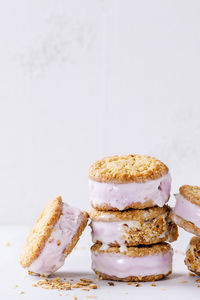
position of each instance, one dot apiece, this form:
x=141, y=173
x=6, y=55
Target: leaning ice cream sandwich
x=144, y=263
x=131, y=181
x=186, y=212
x=192, y=259
x=133, y=227
x=52, y=238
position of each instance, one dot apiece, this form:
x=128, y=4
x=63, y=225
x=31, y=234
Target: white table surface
x=77, y=266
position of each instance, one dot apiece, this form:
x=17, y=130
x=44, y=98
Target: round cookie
x=133, y=227
x=130, y=181
x=186, y=212
x=192, y=259
x=147, y=263
x=52, y=238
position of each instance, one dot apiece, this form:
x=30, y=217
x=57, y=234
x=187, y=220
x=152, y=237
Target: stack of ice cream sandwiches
x=130, y=219
x=186, y=214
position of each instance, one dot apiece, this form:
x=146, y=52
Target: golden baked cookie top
x=137, y=251
x=127, y=168
x=128, y=215
x=41, y=231
x=191, y=193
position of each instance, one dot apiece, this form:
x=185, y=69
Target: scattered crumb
x=129, y=283
x=90, y=296
x=59, y=294
x=137, y=284
x=75, y=298
x=34, y=284
x=7, y=244
x=86, y=280
x=191, y=274
x=87, y=290
x=15, y=286
x=197, y=281
x=58, y=284
x=92, y=286
x=183, y=281
x=58, y=242
x=163, y=289
x=153, y=284
x=21, y=292
x=111, y=283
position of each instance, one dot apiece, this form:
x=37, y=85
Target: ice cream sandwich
x=186, y=212
x=142, y=263
x=133, y=227
x=52, y=238
x=130, y=181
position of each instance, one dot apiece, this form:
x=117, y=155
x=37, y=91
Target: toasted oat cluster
x=191, y=193
x=157, y=230
x=127, y=168
x=192, y=259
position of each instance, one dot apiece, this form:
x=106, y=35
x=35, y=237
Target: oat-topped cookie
x=143, y=263
x=192, y=259
x=52, y=238
x=133, y=227
x=186, y=212
x=191, y=193
x=127, y=168
x=131, y=181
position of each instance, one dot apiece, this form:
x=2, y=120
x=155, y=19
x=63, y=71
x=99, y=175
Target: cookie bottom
x=132, y=278
x=135, y=205
x=186, y=225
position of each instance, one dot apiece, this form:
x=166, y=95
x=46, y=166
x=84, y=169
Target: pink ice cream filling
x=114, y=232
x=123, y=266
x=187, y=210
x=122, y=195
x=52, y=256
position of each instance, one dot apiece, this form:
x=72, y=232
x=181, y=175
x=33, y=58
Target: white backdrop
x=84, y=79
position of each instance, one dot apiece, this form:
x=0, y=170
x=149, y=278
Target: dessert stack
x=130, y=219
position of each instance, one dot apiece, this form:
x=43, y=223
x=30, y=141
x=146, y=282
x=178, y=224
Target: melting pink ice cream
x=52, y=257
x=122, y=195
x=123, y=266
x=187, y=210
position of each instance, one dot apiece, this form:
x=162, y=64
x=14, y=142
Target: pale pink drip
x=52, y=258
x=122, y=195
x=122, y=266
x=187, y=210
